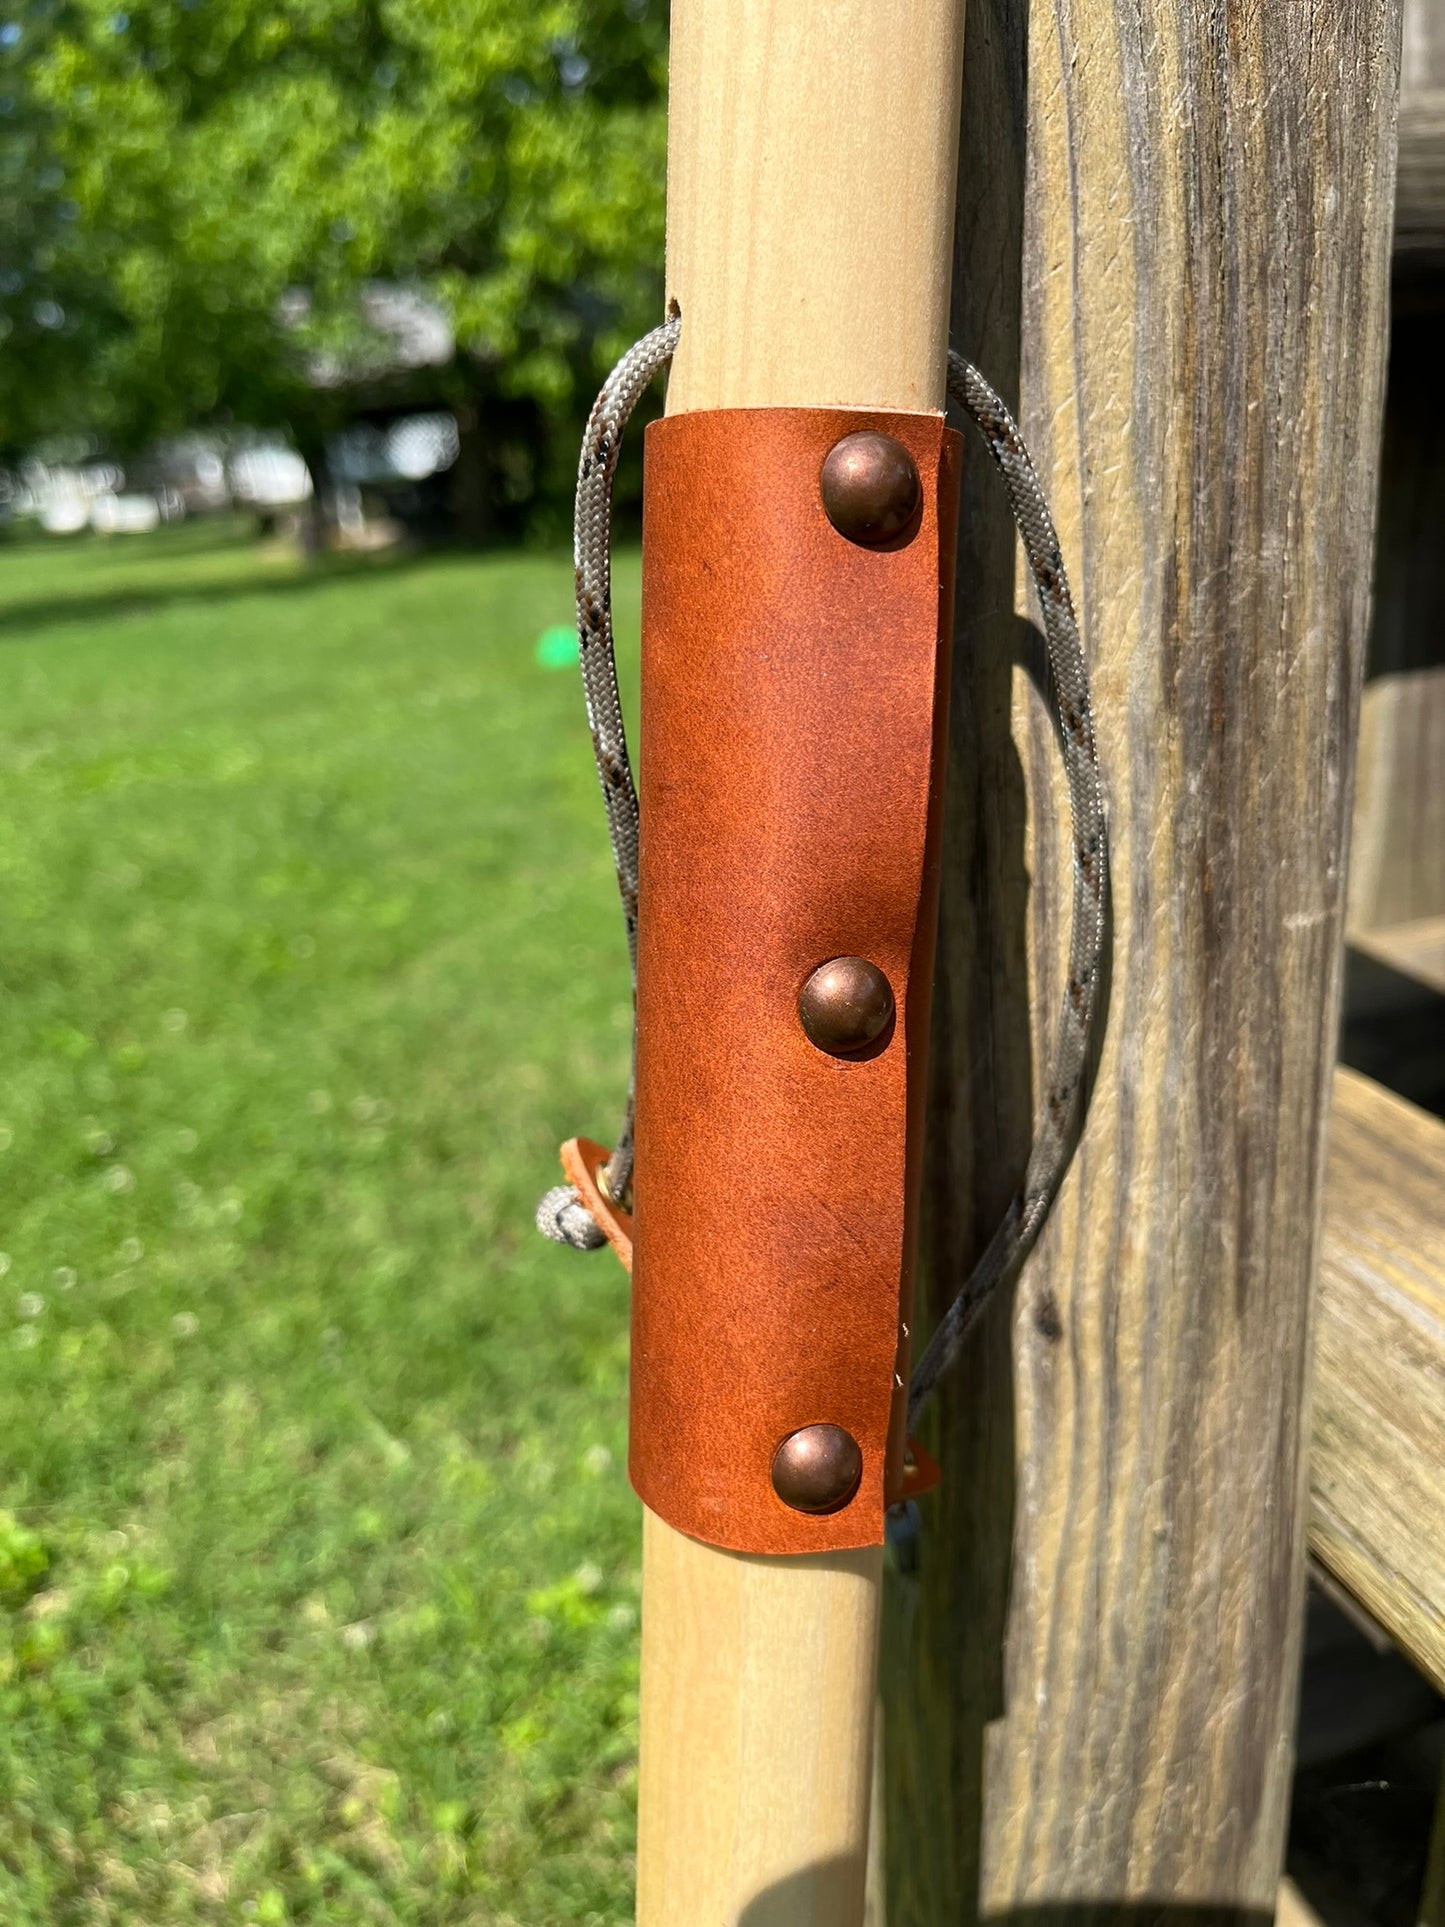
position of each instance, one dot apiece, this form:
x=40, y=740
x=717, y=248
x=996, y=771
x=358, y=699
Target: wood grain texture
x=1397, y=850
x=811, y=159
x=1397, y=847
x=810, y=204
x=1422, y=53
x=1377, y=1465
x=757, y=1735
x=1201, y=304
x=1420, y=193
x=1397, y=857
x=1420, y=197
x=1412, y=950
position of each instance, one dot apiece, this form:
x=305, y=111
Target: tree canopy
x=195, y=194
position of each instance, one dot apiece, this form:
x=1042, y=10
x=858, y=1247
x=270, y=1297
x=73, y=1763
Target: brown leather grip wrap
x=794, y=688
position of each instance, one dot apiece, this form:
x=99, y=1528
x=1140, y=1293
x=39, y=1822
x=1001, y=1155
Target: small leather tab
x=582, y=1161
x=794, y=690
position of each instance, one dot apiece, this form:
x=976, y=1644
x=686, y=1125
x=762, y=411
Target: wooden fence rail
x=1377, y=1458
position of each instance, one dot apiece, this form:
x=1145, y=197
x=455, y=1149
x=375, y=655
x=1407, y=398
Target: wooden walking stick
x=800, y=510
x=810, y=197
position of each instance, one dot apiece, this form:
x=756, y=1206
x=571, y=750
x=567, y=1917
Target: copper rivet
x=845, y=1005
x=870, y=487
x=817, y=1469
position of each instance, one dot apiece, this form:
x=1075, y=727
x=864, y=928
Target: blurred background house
x=402, y=245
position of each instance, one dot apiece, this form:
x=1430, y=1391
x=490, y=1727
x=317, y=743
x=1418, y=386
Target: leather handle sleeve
x=794, y=691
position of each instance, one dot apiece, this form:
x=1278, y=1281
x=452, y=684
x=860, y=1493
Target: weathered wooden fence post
x=1199, y=301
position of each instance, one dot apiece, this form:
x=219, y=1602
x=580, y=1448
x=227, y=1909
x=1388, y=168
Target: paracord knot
x=562, y=1217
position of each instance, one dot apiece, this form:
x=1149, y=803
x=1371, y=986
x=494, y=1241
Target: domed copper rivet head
x=817, y=1469
x=845, y=1006
x=870, y=488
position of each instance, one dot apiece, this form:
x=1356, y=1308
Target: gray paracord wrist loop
x=561, y=1215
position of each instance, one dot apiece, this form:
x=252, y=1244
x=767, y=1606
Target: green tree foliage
x=195, y=193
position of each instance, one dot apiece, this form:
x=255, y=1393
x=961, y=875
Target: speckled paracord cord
x=561, y=1215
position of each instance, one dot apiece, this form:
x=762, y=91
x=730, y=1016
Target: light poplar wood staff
x=811, y=168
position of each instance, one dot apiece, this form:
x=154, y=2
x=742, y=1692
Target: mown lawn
x=318, y=1566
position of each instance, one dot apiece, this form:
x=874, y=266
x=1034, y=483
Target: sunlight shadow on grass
x=105, y=603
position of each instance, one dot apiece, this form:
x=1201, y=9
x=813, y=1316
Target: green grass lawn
x=318, y=1565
